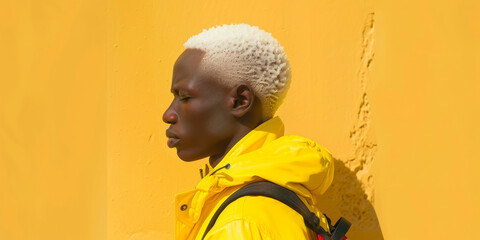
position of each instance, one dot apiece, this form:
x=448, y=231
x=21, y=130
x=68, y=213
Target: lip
x=171, y=142
x=172, y=138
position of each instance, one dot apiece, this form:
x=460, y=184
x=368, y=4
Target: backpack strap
x=288, y=197
x=340, y=228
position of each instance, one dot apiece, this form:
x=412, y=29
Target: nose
x=170, y=116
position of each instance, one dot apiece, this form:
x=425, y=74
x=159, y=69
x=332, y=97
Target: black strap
x=340, y=228
x=288, y=197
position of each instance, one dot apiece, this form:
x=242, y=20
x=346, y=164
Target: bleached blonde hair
x=240, y=53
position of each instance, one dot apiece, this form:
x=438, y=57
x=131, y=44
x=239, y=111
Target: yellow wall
x=391, y=89
x=425, y=102
x=52, y=120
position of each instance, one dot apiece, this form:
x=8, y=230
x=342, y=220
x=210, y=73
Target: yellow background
x=391, y=88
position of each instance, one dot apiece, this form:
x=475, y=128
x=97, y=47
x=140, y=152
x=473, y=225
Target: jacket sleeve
x=239, y=229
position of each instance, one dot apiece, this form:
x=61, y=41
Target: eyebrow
x=175, y=92
x=176, y=89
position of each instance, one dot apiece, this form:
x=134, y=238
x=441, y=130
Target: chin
x=187, y=156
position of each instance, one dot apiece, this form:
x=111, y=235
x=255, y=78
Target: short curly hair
x=240, y=53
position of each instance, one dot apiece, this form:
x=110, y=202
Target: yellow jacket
x=294, y=162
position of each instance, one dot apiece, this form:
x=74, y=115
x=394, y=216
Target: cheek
x=218, y=121
x=205, y=134
x=218, y=124
x=207, y=120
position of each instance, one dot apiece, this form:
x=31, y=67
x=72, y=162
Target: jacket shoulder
x=301, y=141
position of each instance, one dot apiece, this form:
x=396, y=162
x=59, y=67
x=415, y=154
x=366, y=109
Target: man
x=227, y=86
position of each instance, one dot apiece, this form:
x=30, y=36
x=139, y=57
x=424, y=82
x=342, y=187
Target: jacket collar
x=264, y=133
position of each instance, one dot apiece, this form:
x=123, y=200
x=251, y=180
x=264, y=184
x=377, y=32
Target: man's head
x=240, y=53
x=227, y=81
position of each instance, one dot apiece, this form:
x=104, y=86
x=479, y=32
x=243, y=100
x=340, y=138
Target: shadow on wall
x=346, y=198
x=351, y=194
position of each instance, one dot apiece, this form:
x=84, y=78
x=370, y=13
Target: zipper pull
x=226, y=167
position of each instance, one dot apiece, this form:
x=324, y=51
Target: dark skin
x=206, y=118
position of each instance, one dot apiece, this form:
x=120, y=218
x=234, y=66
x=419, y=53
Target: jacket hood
x=294, y=162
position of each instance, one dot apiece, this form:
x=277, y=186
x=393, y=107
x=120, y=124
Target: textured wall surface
x=352, y=192
x=389, y=87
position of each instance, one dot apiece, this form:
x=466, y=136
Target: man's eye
x=183, y=99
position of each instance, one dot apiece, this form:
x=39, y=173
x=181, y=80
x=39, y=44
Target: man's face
x=200, y=123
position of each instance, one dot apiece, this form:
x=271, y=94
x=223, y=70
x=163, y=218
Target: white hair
x=240, y=53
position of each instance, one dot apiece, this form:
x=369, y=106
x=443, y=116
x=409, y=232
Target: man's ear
x=241, y=100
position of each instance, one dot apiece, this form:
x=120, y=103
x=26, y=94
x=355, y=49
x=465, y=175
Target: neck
x=215, y=159
x=242, y=131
